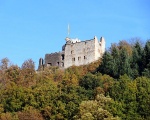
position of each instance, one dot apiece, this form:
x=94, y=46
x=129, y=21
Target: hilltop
x=117, y=86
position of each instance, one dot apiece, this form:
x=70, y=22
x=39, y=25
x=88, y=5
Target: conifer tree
x=106, y=65
x=146, y=59
x=136, y=60
x=116, y=62
x=124, y=67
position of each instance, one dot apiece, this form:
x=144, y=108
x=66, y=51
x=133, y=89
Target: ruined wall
x=54, y=59
x=79, y=53
x=99, y=48
x=102, y=45
x=75, y=53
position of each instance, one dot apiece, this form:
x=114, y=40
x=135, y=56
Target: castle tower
x=102, y=44
x=41, y=64
x=83, y=52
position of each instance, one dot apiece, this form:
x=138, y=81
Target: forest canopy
x=115, y=87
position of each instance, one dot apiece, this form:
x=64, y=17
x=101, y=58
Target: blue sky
x=32, y=28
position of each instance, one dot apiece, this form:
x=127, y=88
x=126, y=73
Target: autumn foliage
x=115, y=87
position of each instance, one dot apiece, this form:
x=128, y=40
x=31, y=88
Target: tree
x=28, y=64
x=124, y=92
x=13, y=74
x=143, y=97
x=89, y=81
x=12, y=98
x=8, y=116
x=116, y=61
x=136, y=60
x=4, y=64
x=134, y=64
x=95, y=109
x=70, y=97
x=124, y=67
x=146, y=59
x=28, y=71
x=106, y=82
x=126, y=46
x=107, y=64
x=30, y=113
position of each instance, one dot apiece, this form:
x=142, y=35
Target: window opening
x=49, y=64
x=72, y=52
x=62, y=57
x=73, y=59
x=79, y=58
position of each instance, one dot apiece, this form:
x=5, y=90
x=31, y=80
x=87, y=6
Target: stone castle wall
x=75, y=53
x=54, y=59
x=79, y=53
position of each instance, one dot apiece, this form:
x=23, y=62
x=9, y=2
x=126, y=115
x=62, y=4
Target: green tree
x=89, y=81
x=116, y=61
x=71, y=96
x=12, y=98
x=143, y=97
x=95, y=109
x=124, y=67
x=136, y=60
x=124, y=91
x=139, y=58
x=107, y=64
x=146, y=59
x=134, y=64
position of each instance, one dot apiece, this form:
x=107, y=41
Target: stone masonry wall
x=54, y=59
x=75, y=53
x=79, y=53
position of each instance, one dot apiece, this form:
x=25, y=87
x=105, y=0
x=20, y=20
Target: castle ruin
x=75, y=52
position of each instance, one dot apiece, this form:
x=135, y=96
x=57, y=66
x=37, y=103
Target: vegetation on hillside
x=115, y=87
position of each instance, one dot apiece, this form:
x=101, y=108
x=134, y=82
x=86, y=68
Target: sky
x=29, y=29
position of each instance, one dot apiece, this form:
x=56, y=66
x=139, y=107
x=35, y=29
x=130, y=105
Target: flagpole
x=68, y=30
